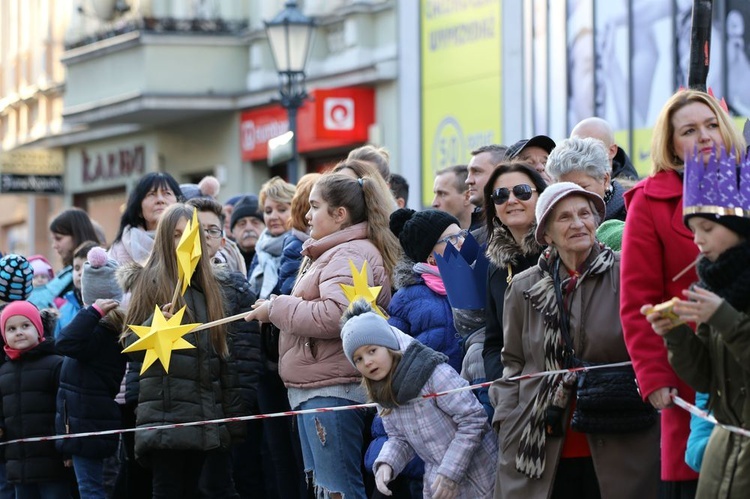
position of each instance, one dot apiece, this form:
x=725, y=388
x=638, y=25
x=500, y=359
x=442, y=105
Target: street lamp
x=290, y=34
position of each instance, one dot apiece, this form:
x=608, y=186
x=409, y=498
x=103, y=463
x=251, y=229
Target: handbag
x=607, y=399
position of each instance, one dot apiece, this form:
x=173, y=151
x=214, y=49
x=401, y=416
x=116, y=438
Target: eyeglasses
x=454, y=239
x=213, y=233
x=522, y=192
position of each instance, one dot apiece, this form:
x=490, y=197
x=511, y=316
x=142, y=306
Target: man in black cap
x=533, y=151
x=246, y=225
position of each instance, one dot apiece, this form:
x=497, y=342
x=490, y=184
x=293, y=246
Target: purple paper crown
x=719, y=186
x=464, y=274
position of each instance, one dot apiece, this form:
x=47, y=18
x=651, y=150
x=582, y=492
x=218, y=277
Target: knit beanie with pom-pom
x=98, y=280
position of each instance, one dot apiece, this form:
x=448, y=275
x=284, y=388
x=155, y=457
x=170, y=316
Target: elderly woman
x=558, y=314
x=585, y=162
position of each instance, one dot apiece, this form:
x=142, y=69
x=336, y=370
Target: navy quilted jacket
x=89, y=380
x=424, y=314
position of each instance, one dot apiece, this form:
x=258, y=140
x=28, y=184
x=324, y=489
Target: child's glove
x=383, y=475
x=444, y=488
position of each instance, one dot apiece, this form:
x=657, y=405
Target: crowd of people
x=623, y=294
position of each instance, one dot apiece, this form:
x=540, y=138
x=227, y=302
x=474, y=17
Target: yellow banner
x=33, y=162
x=461, y=82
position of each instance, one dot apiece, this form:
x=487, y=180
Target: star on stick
x=159, y=339
x=361, y=288
x=189, y=251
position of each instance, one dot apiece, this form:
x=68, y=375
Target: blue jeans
x=43, y=490
x=90, y=477
x=332, y=447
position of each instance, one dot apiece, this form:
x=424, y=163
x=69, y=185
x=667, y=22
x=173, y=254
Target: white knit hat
x=555, y=193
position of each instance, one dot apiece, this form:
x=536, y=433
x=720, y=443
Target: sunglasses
x=522, y=192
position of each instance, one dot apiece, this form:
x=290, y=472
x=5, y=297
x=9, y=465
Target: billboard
x=461, y=83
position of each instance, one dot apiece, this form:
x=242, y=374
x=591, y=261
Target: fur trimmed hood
x=503, y=249
x=404, y=275
x=126, y=275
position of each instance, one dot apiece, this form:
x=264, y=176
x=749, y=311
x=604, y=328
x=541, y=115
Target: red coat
x=656, y=246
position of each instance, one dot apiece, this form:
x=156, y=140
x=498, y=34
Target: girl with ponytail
x=348, y=221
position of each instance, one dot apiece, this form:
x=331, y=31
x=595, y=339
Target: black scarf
x=413, y=371
x=729, y=275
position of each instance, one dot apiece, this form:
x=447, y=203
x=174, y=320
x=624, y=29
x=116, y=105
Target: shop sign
x=330, y=118
x=115, y=164
x=32, y=171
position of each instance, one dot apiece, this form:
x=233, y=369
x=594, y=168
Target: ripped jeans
x=332, y=447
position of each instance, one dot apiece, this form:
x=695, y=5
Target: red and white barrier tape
x=678, y=401
x=708, y=417
x=276, y=414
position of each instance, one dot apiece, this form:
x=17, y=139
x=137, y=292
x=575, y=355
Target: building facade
x=124, y=87
x=189, y=88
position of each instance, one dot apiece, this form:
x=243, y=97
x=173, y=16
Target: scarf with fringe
x=531, y=455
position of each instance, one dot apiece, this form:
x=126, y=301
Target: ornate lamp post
x=290, y=36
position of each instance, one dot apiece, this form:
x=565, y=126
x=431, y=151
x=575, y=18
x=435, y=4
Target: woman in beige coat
x=537, y=457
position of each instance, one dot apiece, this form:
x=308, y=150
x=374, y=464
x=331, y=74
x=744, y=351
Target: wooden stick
x=176, y=294
x=217, y=322
x=686, y=269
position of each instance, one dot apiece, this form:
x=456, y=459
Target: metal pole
x=292, y=163
x=700, y=44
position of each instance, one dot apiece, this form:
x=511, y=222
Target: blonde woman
x=275, y=200
x=656, y=247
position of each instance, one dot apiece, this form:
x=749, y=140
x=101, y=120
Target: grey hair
x=358, y=307
x=579, y=155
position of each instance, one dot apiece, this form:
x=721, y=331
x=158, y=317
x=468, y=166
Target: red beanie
x=25, y=309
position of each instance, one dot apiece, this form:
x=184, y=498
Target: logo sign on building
x=32, y=171
x=338, y=113
x=330, y=118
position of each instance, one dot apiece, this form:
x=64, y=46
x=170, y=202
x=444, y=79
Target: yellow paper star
x=189, y=251
x=361, y=288
x=159, y=339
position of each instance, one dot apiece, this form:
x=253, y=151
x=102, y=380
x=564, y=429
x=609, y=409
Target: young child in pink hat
x=28, y=387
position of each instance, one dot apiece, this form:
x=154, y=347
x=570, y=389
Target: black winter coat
x=28, y=387
x=199, y=386
x=501, y=252
x=89, y=381
x=244, y=336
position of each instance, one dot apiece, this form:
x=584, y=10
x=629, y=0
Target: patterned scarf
x=531, y=456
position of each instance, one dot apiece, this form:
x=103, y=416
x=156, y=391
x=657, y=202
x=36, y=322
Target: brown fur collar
x=503, y=249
